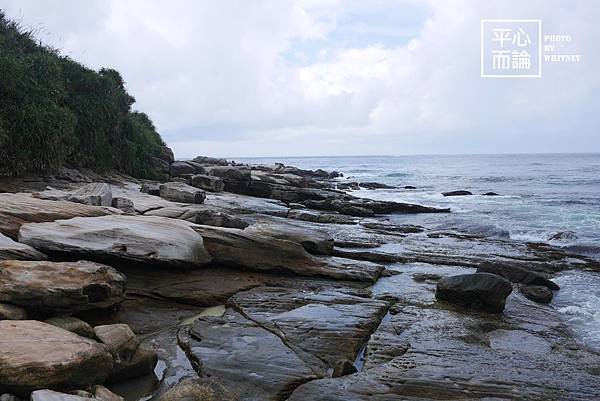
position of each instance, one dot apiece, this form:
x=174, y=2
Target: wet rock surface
x=250, y=361
x=52, y=287
x=483, y=291
x=281, y=286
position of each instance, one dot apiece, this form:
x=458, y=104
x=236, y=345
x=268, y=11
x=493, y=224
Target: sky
x=333, y=77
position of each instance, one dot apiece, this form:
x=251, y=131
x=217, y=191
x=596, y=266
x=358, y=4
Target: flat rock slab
x=243, y=204
x=436, y=354
x=197, y=287
x=53, y=287
x=18, y=209
x=95, y=194
x=249, y=361
x=313, y=240
x=149, y=239
x=181, y=192
x=323, y=325
x=241, y=249
x=36, y=355
x=10, y=249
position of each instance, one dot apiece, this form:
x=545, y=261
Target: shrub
x=56, y=112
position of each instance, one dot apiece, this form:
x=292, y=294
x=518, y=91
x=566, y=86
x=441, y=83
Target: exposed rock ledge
x=272, y=307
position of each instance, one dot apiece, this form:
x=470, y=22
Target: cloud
x=332, y=77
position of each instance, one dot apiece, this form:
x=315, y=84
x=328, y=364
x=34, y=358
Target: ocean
x=553, y=198
x=540, y=195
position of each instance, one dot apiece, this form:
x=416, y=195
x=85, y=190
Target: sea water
x=553, y=198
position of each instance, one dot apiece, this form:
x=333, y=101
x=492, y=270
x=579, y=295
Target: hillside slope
x=54, y=112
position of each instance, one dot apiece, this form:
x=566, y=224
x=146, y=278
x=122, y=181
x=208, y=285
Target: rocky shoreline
x=269, y=282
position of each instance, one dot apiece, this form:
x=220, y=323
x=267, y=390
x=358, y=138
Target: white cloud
x=217, y=77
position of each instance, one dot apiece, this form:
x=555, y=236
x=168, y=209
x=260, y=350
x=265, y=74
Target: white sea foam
x=578, y=301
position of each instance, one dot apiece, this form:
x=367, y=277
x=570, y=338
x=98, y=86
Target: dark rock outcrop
x=518, y=275
x=208, y=183
x=179, y=168
x=457, y=193
x=483, y=291
x=537, y=293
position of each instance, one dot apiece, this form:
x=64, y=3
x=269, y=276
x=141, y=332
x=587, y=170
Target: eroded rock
x=94, y=194
x=18, y=209
x=10, y=249
x=180, y=192
x=149, y=239
x=53, y=287
x=36, y=355
x=208, y=183
x=237, y=248
x=132, y=358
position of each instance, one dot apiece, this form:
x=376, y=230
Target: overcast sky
x=352, y=77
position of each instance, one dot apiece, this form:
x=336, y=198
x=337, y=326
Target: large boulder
x=516, y=274
x=10, y=249
x=181, y=192
x=95, y=194
x=53, y=287
x=313, y=240
x=148, y=239
x=204, y=215
x=537, y=293
x=36, y=355
x=209, y=161
x=180, y=168
x=208, y=183
x=132, y=358
x=238, y=248
x=483, y=291
x=18, y=209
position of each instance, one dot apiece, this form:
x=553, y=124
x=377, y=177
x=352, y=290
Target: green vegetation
x=55, y=112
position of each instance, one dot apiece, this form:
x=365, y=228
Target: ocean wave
x=483, y=230
x=579, y=302
x=398, y=175
x=593, y=251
